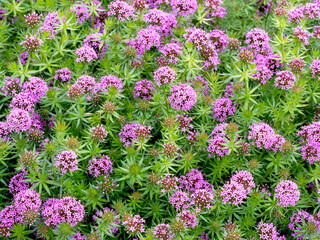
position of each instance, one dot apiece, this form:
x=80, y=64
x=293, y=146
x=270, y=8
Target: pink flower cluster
x=67, y=161
x=258, y=41
x=86, y=54
x=134, y=224
x=203, y=43
x=32, y=43
x=98, y=133
x=171, y=52
x=310, y=140
x=160, y=21
x=287, y=193
x=183, y=97
x=285, y=80
x=308, y=11
x=128, y=134
x=65, y=210
x=267, y=231
x=263, y=136
x=63, y=75
x=184, y=7
x=222, y=108
x=17, y=184
x=143, y=89
x=145, y=40
x=315, y=68
x=238, y=188
x=50, y=24
x=168, y=183
x=121, y=10
x=164, y=75
x=100, y=166
x=162, y=232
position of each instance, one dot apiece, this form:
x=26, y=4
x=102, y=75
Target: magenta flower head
x=296, y=65
x=222, y=108
x=86, y=83
x=65, y=210
x=303, y=219
x=23, y=101
x=160, y=21
x=263, y=136
x=121, y=10
x=98, y=133
x=63, y=75
x=168, y=183
x=203, y=199
x=8, y=217
x=180, y=200
x=93, y=42
x=233, y=192
x=86, y=54
x=32, y=43
x=100, y=166
x=258, y=41
x=82, y=12
x=110, y=81
x=32, y=19
x=296, y=14
x=171, y=51
x=143, y=89
x=287, y=193
x=301, y=35
x=217, y=146
x=184, y=122
x=17, y=184
x=11, y=86
x=145, y=40
x=75, y=91
x=67, y=161
x=184, y=7
x=267, y=231
x=310, y=139
x=162, y=232
x=218, y=37
x=50, y=24
x=28, y=204
x=18, y=120
x=128, y=134
x=315, y=68
x=189, y=218
x=36, y=87
x=245, y=178
x=183, y=97
x=285, y=80
x=165, y=75
x=134, y=224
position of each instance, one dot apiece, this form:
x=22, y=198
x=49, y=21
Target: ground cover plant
x=159, y=119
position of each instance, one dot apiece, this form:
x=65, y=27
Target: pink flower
x=287, y=192
x=180, y=200
x=121, y=10
x=183, y=97
x=67, y=161
x=285, y=80
x=100, y=166
x=18, y=120
x=162, y=232
x=134, y=224
x=86, y=54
